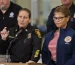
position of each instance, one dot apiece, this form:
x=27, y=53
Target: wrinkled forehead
x=23, y=12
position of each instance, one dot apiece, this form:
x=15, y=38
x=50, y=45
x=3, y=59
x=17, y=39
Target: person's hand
x=4, y=33
x=30, y=61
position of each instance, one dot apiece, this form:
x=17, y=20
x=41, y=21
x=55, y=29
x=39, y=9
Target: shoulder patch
x=37, y=31
x=36, y=53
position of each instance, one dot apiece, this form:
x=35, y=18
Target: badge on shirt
x=29, y=35
x=68, y=39
x=11, y=15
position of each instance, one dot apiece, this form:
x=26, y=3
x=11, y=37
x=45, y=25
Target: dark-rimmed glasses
x=58, y=18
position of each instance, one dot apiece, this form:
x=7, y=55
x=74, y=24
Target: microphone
x=21, y=29
x=7, y=51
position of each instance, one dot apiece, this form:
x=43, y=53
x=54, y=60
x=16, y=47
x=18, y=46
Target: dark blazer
x=65, y=54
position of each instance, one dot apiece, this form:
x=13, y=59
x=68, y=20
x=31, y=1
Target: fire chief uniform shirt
x=9, y=18
x=27, y=46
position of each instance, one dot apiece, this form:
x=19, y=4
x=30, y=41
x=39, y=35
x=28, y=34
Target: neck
x=68, y=5
x=3, y=11
x=58, y=30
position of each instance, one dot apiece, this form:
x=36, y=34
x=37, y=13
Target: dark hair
x=64, y=10
x=27, y=10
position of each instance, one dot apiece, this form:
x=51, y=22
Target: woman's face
x=23, y=19
x=60, y=20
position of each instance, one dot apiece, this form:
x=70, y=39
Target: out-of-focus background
x=40, y=10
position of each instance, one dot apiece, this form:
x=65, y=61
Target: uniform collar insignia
x=29, y=35
x=26, y=30
x=16, y=30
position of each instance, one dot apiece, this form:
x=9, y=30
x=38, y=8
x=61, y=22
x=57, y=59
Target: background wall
x=74, y=1
x=13, y=1
x=24, y=3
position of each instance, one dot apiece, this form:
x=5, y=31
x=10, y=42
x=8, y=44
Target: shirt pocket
x=67, y=48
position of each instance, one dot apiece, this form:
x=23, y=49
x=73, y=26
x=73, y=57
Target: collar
x=72, y=7
x=26, y=29
x=61, y=29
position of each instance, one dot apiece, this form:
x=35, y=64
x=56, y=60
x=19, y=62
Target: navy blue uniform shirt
x=9, y=18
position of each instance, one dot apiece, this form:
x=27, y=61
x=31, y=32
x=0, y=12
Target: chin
x=21, y=26
x=58, y=26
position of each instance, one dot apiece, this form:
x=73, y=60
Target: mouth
x=22, y=23
x=58, y=22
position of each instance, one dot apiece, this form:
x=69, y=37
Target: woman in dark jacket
x=23, y=40
x=59, y=45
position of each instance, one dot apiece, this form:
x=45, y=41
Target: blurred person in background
x=8, y=14
x=69, y=4
x=8, y=18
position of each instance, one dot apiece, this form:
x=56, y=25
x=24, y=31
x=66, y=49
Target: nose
x=22, y=19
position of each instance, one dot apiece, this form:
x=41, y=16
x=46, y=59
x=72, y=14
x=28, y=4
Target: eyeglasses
x=58, y=18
